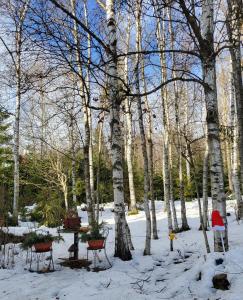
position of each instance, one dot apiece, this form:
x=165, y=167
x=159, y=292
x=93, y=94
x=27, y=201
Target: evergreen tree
x=5, y=160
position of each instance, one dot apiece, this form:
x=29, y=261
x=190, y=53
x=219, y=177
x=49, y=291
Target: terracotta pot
x=72, y=223
x=43, y=247
x=96, y=244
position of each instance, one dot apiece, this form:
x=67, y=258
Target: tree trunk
x=235, y=177
x=205, y=186
x=147, y=248
x=172, y=200
x=16, y=132
x=205, y=37
x=149, y=132
x=88, y=110
x=184, y=225
x=121, y=238
x=210, y=89
x=233, y=26
x=128, y=149
x=84, y=103
x=165, y=118
x=97, y=192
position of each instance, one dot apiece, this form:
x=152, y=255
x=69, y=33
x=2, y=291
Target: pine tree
x=5, y=159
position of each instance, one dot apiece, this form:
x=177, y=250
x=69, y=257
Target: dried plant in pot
x=72, y=220
x=94, y=237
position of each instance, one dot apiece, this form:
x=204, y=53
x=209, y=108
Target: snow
x=163, y=275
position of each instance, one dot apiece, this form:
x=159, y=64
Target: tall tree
x=17, y=11
x=122, y=249
x=233, y=25
x=147, y=248
x=204, y=35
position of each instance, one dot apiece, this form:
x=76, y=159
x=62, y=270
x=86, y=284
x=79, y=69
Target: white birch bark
x=149, y=134
x=73, y=153
x=86, y=113
x=89, y=113
x=100, y=135
x=147, y=247
x=216, y=163
x=205, y=38
x=205, y=185
x=18, y=72
x=235, y=177
x=121, y=237
x=128, y=148
x=165, y=117
x=184, y=225
x=233, y=26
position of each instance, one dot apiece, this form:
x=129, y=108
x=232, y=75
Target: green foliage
x=35, y=238
x=5, y=150
x=95, y=232
x=6, y=165
x=36, y=216
x=158, y=186
x=49, y=210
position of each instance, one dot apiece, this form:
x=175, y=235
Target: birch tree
x=233, y=25
x=184, y=225
x=122, y=249
x=147, y=248
x=17, y=12
x=235, y=177
x=166, y=167
x=89, y=187
x=204, y=35
x=128, y=116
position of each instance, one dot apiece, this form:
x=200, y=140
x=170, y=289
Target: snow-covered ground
x=163, y=275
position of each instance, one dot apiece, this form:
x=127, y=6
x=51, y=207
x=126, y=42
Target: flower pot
x=96, y=244
x=72, y=223
x=43, y=247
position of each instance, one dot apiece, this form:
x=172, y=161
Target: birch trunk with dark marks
x=147, y=248
x=205, y=38
x=128, y=149
x=184, y=223
x=43, y=119
x=86, y=113
x=89, y=113
x=165, y=119
x=97, y=192
x=233, y=25
x=205, y=185
x=172, y=199
x=149, y=134
x=18, y=73
x=121, y=237
x=73, y=154
x=235, y=170
x=188, y=167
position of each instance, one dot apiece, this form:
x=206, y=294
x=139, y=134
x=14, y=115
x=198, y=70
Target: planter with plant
x=41, y=242
x=72, y=220
x=95, y=236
